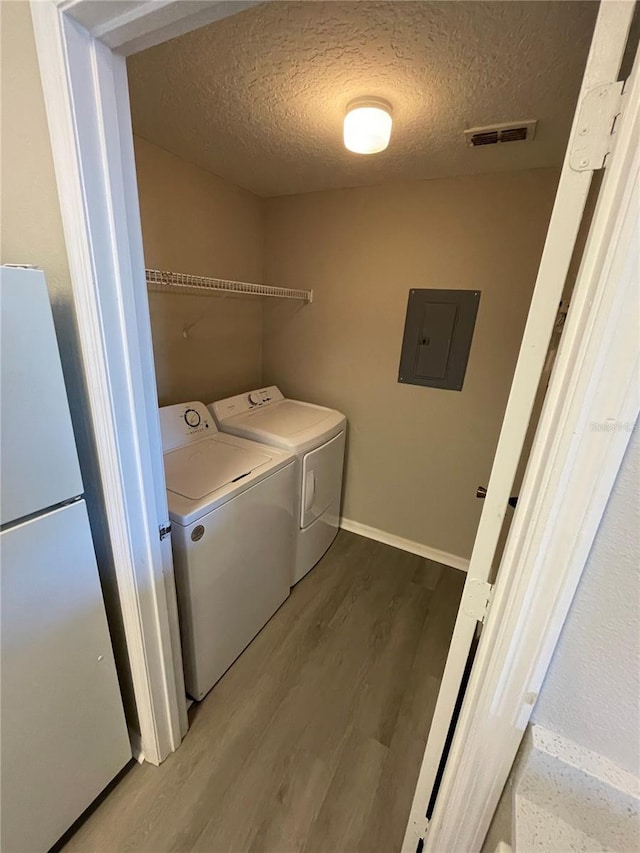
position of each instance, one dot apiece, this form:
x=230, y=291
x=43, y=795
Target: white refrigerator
x=63, y=732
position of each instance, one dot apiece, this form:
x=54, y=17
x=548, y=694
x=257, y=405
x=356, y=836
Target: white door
x=607, y=49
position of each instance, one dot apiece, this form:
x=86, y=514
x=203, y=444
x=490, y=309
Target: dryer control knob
x=192, y=418
x=254, y=399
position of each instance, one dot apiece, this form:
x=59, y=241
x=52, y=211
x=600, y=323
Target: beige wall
x=32, y=233
x=195, y=222
x=415, y=455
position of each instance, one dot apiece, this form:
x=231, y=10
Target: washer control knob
x=192, y=418
x=254, y=399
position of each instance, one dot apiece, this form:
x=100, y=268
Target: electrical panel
x=437, y=337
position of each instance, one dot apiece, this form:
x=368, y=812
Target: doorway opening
x=243, y=176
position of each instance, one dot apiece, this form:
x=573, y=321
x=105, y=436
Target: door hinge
x=476, y=598
x=423, y=837
x=165, y=530
x=593, y=136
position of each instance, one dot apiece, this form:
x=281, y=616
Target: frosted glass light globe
x=367, y=125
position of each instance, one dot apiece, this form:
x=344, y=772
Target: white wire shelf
x=177, y=281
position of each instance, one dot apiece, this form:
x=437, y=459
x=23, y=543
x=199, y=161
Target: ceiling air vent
x=516, y=131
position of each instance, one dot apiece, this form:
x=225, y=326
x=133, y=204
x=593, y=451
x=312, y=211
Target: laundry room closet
x=243, y=176
x=260, y=96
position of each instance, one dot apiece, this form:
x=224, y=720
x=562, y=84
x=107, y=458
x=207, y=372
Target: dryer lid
x=208, y=465
x=286, y=418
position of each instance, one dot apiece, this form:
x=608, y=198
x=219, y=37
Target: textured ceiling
x=259, y=97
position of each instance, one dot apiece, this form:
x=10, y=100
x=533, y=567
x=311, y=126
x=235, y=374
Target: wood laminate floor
x=312, y=740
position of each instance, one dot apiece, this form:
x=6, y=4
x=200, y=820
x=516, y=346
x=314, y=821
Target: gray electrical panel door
x=437, y=337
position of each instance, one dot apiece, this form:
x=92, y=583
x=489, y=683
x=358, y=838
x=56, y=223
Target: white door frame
x=81, y=47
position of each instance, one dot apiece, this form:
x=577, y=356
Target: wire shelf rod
x=165, y=280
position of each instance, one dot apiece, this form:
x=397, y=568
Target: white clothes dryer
x=317, y=437
x=231, y=505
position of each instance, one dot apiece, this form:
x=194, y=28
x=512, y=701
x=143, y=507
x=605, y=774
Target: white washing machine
x=231, y=505
x=316, y=435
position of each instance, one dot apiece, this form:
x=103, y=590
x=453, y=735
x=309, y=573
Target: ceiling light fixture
x=367, y=125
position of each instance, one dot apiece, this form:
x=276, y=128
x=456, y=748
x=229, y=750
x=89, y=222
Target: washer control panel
x=224, y=409
x=184, y=423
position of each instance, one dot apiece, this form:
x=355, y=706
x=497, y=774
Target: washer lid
x=286, y=418
x=208, y=465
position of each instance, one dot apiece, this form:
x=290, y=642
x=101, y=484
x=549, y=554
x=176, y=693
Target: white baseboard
x=405, y=544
